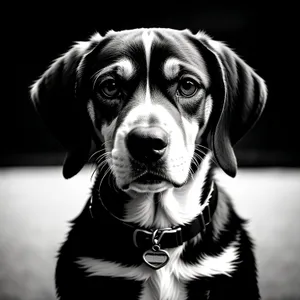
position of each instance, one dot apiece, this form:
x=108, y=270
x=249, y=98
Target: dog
x=162, y=110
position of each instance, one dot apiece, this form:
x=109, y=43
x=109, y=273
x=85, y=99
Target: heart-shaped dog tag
x=156, y=259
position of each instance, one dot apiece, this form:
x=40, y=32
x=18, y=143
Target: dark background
x=37, y=202
x=264, y=35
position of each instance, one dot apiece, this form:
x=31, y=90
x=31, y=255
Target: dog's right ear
x=65, y=113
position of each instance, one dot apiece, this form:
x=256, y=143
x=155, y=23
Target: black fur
x=62, y=95
x=107, y=238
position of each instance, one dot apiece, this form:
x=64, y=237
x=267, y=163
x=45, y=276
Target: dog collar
x=154, y=241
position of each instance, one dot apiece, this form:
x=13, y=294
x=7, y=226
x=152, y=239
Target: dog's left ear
x=239, y=97
x=56, y=98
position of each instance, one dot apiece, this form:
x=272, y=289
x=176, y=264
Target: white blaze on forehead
x=147, y=39
x=123, y=67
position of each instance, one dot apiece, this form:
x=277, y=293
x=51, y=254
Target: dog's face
x=153, y=102
x=157, y=99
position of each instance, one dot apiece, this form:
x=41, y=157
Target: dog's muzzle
x=147, y=145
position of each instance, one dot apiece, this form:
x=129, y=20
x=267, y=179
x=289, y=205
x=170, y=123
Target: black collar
x=166, y=237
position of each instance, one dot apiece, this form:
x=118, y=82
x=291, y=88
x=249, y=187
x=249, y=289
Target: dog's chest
x=163, y=284
x=166, y=283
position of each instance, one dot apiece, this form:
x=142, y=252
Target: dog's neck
x=172, y=207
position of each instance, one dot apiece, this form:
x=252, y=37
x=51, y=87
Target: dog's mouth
x=149, y=178
x=149, y=182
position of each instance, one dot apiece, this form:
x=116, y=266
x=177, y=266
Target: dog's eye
x=109, y=88
x=187, y=87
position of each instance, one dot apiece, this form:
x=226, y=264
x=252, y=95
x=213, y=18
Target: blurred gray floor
x=36, y=203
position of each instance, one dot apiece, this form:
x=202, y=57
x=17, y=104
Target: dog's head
x=157, y=99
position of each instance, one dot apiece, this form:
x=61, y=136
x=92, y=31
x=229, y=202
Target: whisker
x=95, y=153
x=99, y=167
x=103, y=147
x=100, y=161
x=191, y=173
x=112, y=182
x=93, y=173
x=105, y=174
x=195, y=161
x=199, y=156
x=202, y=152
x=205, y=148
x=105, y=156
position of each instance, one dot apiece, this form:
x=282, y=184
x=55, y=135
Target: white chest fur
x=163, y=283
x=169, y=282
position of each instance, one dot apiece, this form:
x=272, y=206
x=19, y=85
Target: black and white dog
x=163, y=107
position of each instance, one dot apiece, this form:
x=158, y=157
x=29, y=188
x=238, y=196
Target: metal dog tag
x=156, y=258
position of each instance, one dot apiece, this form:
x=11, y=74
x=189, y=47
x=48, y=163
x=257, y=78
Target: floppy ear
x=55, y=98
x=239, y=97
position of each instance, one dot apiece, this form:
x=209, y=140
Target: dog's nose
x=147, y=144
